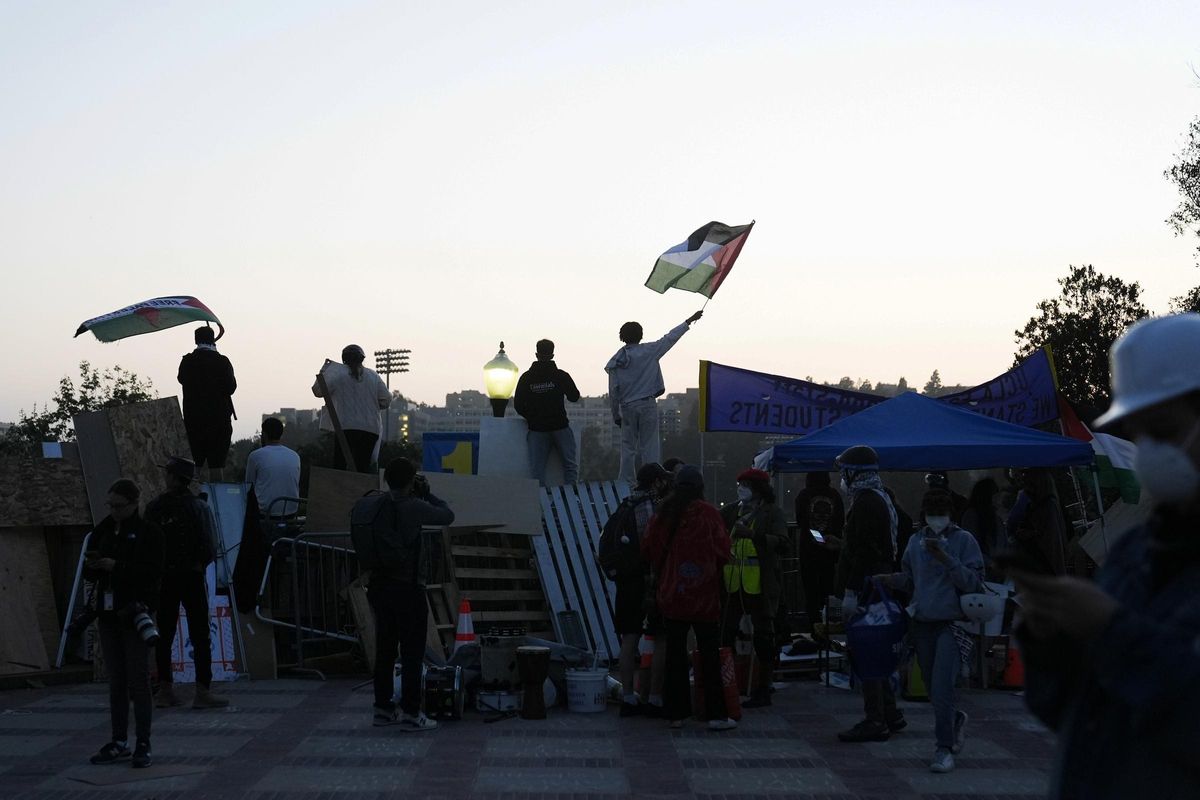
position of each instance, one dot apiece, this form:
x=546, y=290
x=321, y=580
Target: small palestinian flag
x=1114, y=456
x=702, y=262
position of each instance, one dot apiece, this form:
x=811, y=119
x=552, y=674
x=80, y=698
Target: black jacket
x=138, y=550
x=186, y=527
x=540, y=394
x=867, y=546
x=208, y=387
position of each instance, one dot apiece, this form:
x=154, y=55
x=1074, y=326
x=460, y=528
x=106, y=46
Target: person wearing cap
x=1113, y=666
x=539, y=398
x=686, y=545
x=124, y=560
x=189, y=533
x=357, y=395
x=940, y=564
x=208, y=386
x=635, y=381
x=631, y=617
x=868, y=548
x=753, y=578
x=941, y=480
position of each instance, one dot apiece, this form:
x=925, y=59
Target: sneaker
x=111, y=752
x=721, y=724
x=141, y=754
x=943, y=762
x=416, y=722
x=386, y=716
x=630, y=709
x=165, y=697
x=866, y=731
x=960, y=731
x=897, y=724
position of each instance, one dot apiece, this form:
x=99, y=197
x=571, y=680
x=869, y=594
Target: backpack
x=373, y=532
x=622, y=560
x=186, y=541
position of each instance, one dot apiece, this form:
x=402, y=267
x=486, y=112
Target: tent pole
x=1100, y=507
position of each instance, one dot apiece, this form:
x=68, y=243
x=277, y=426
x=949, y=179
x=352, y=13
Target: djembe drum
x=533, y=665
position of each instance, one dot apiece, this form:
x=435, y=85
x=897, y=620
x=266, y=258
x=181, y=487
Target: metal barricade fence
x=305, y=582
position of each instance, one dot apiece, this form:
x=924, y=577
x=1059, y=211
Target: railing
x=322, y=566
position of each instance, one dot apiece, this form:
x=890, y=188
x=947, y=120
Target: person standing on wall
x=208, y=386
x=635, y=380
x=357, y=395
x=188, y=544
x=539, y=398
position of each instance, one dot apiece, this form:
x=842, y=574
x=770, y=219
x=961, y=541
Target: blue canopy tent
x=915, y=433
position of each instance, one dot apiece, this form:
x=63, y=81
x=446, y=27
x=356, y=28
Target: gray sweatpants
x=640, y=439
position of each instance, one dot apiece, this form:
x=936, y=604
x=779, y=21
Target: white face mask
x=744, y=494
x=1166, y=470
x=937, y=524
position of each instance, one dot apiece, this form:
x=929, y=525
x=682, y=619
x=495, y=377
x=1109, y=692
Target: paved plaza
x=313, y=741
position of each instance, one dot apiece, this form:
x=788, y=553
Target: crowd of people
x=1111, y=664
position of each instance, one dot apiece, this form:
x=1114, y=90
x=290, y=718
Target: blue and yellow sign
x=450, y=452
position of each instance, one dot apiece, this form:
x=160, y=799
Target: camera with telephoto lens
x=143, y=623
x=420, y=486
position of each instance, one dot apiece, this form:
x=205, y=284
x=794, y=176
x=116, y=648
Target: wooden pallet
x=573, y=517
x=495, y=572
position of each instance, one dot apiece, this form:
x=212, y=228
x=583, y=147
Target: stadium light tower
x=388, y=362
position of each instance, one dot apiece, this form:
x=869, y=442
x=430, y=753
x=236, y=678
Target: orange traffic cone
x=465, y=633
x=1014, y=669
x=645, y=651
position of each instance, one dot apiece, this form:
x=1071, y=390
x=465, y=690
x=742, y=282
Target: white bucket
x=586, y=690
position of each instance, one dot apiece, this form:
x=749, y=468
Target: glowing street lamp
x=500, y=379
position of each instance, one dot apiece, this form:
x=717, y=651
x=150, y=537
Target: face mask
x=937, y=524
x=1166, y=470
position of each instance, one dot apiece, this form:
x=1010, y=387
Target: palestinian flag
x=1114, y=456
x=149, y=316
x=702, y=262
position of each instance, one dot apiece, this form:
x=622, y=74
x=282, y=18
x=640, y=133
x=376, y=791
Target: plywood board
x=130, y=441
x=503, y=503
x=43, y=491
x=332, y=493
x=22, y=647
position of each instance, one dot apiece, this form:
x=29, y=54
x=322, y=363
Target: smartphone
x=817, y=537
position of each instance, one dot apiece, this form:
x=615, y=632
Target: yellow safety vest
x=742, y=573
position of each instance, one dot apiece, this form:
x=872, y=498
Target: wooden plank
x=490, y=500
x=493, y=573
x=44, y=491
x=332, y=493
x=590, y=545
x=98, y=459
x=567, y=503
x=552, y=565
x=486, y=615
x=144, y=436
x=25, y=550
x=490, y=552
x=22, y=647
x=499, y=595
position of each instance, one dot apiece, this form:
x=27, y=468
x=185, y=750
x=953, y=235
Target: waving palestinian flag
x=702, y=262
x=149, y=316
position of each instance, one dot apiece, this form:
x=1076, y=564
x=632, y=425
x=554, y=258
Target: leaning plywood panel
x=43, y=491
x=22, y=648
x=26, y=549
x=145, y=435
x=501, y=503
x=332, y=493
x=98, y=456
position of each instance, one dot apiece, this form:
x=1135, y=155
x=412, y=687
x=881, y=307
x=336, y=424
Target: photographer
x=386, y=532
x=125, y=560
x=188, y=535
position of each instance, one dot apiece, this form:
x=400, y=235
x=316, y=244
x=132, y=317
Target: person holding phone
x=941, y=563
x=125, y=563
x=1114, y=665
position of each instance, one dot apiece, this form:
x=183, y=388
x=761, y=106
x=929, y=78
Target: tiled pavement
x=304, y=740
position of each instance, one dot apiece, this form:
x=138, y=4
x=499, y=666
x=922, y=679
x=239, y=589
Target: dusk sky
x=444, y=176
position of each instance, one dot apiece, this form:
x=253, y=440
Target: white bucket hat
x=1154, y=361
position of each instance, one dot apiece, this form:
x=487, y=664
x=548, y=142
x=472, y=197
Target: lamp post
x=387, y=362
x=500, y=379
